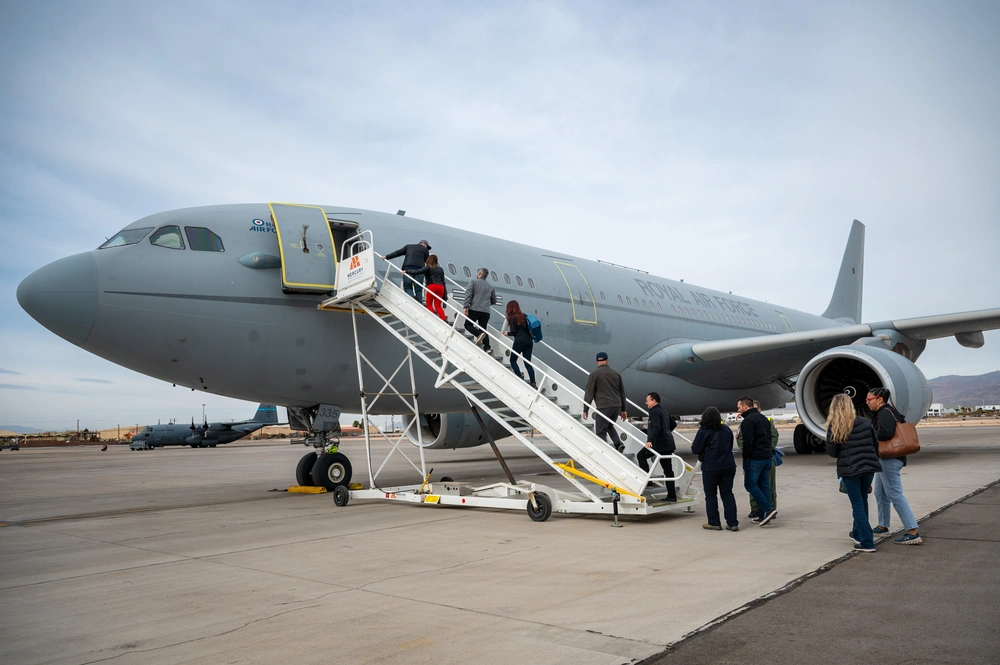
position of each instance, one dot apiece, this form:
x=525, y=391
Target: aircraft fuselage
x=207, y=321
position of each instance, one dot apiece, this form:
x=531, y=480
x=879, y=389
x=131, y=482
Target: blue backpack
x=534, y=327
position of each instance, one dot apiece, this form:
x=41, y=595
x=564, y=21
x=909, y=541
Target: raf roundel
x=258, y=222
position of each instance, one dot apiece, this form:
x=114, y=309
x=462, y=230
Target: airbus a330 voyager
x=224, y=299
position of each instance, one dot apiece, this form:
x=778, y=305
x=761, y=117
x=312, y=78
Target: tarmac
x=183, y=556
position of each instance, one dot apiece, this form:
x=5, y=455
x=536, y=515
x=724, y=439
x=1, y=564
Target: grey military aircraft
x=224, y=299
x=206, y=435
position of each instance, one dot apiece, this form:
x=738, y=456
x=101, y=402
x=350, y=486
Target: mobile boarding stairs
x=605, y=480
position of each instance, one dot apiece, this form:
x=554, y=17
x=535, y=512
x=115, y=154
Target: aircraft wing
x=766, y=358
x=964, y=326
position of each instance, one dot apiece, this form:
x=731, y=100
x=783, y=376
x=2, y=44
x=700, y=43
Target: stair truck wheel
x=303, y=471
x=330, y=470
x=544, y=509
x=341, y=495
x=802, y=440
x=447, y=479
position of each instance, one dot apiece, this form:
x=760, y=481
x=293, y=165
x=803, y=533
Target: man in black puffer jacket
x=757, y=457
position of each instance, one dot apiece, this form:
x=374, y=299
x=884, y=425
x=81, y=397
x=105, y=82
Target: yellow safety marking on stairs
x=570, y=467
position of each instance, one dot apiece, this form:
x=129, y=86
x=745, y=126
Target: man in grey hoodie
x=479, y=297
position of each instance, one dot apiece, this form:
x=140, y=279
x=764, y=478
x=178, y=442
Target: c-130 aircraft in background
x=224, y=299
x=206, y=435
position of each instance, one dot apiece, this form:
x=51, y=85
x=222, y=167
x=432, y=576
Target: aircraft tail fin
x=266, y=413
x=846, y=300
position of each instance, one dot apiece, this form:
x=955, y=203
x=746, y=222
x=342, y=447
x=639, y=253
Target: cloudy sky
x=728, y=144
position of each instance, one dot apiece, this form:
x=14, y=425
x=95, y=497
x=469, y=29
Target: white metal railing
x=547, y=376
x=564, y=357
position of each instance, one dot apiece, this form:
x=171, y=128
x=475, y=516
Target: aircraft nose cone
x=62, y=296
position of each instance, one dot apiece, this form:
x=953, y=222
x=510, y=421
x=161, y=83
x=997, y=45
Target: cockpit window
x=201, y=239
x=167, y=236
x=126, y=237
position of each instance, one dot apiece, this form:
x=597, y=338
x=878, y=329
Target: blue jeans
x=755, y=480
x=857, y=488
x=723, y=482
x=889, y=490
x=414, y=290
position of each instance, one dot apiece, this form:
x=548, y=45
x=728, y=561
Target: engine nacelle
x=854, y=370
x=453, y=430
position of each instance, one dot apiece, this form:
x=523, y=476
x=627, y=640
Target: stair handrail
x=503, y=317
x=460, y=314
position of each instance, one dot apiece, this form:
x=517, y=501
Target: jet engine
x=854, y=370
x=453, y=430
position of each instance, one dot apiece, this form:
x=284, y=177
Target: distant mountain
x=17, y=429
x=967, y=390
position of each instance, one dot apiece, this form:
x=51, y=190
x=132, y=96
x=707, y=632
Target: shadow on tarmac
x=933, y=603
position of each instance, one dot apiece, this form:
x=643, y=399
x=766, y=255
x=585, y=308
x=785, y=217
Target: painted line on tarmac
x=796, y=583
x=130, y=511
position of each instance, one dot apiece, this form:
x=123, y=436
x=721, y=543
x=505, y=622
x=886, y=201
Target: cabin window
x=506, y=278
x=466, y=271
x=628, y=301
x=602, y=295
x=658, y=307
x=541, y=285
x=494, y=277
x=201, y=239
x=620, y=300
x=643, y=302
x=518, y=279
x=452, y=269
x=552, y=285
x=167, y=236
x=531, y=283
x=126, y=237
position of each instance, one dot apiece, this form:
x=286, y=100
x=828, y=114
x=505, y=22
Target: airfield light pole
x=202, y=413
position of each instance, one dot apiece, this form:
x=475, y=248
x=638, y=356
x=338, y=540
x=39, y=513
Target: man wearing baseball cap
x=414, y=257
x=606, y=389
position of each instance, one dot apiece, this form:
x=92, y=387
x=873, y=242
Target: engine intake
x=854, y=370
x=453, y=430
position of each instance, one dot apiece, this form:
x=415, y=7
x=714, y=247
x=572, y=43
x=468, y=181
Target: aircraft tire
x=446, y=479
x=544, y=510
x=341, y=495
x=331, y=470
x=303, y=471
x=802, y=440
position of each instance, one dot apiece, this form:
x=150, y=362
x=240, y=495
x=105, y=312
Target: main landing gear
x=806, y=442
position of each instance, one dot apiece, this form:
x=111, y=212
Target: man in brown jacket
x=606, y=389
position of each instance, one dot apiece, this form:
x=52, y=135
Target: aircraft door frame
x=315, y=269
x=584, y=312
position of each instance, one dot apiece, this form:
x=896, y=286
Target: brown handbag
x=904, y=442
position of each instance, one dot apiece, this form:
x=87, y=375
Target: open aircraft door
x=308, y=251
x=584, y=307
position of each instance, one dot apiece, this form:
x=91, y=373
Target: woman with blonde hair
x=855, y=445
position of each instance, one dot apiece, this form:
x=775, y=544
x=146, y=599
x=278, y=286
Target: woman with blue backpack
x=520, y=329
